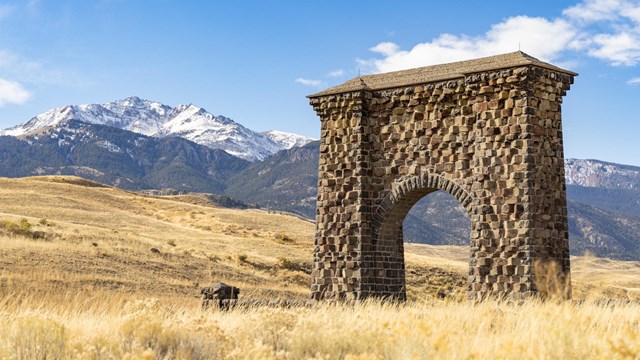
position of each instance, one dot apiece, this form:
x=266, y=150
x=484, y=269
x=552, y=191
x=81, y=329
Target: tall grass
x=103, y=328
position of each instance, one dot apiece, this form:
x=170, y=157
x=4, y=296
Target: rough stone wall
x=493, y=140
x=343, y=218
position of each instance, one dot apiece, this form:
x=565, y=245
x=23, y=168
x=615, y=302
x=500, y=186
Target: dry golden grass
x=106, y=329
x=100, y=238
x=91, y=288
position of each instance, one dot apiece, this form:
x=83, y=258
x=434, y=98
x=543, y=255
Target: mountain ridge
x=591, y=173
x=118, y=157
x=155, y=119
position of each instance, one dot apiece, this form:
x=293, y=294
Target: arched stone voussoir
x=424, y=183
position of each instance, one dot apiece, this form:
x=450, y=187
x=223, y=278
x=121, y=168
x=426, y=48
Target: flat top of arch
x=438, y=73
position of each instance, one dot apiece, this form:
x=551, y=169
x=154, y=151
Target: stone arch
x=387, y=231
x=488, y=131
x=406, y=192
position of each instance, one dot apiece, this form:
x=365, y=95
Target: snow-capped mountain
x=156, y=119
x=595, y=173
x=217, y=132
x=133, y=114
x=288, y=140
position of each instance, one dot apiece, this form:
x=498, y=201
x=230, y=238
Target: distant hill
x=603, y=219
x=287, y=181
x=602, y=174
x=621, y=201
x=603, y=233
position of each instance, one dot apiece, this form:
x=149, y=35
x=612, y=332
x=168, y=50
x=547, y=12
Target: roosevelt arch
x=488, y=131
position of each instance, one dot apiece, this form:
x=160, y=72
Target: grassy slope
x=99, y=239
x=63, y=297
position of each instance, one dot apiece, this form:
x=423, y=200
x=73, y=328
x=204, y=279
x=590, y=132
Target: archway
x=488, y=131
x=436, y=239
x=388, y=235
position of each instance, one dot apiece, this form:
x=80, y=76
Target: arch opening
x=388, y=231
x=437, y=236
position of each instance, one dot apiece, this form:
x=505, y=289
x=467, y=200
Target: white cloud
x=615, y=35
x=596, y=10
x=308, y=82
x=634, y=81
x=542, y=38
x=608, y=30
x=29, y=71
x=12, y=93
x=619, y=49
x=336, y=73
x=386, y=48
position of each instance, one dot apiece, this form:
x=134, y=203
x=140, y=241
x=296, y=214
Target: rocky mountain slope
x=601, y=174
x=286, y=139
x=152, y=118
x=287, y=181
x=118, y=157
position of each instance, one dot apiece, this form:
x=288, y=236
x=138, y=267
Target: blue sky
x=255, y=61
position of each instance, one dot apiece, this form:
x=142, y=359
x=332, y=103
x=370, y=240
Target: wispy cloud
x=309, y=82
x=611, y=29
x=12, y=93
x=336, y=73
x=18, y=74
x=634, y=81
x=31, y=71
x=605, y=29
x=590, y=11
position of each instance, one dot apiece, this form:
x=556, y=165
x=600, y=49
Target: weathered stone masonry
x=487, y=131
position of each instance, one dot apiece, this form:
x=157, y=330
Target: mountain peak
x=288, y=140
x=153, y=118
x=188, y=108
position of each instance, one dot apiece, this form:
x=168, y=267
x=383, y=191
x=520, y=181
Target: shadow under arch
x=388, y=239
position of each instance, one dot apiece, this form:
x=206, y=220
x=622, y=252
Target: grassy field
x=78, y=279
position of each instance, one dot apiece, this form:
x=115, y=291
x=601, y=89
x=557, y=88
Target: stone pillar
x=344, y=199
x=520, y=213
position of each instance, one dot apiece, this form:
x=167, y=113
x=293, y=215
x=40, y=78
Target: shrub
x=242, y=258
x=21, y=228
x=282, y=238
x=35, y=338
x=551, y=281
x=287, y=264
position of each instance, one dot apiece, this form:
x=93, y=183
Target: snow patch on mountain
x=133, y=114
x=218, y=132
x=152, y=118
x=595, y=173
x=288, y=140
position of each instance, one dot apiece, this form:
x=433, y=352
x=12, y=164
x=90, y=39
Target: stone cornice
x=439, y=72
